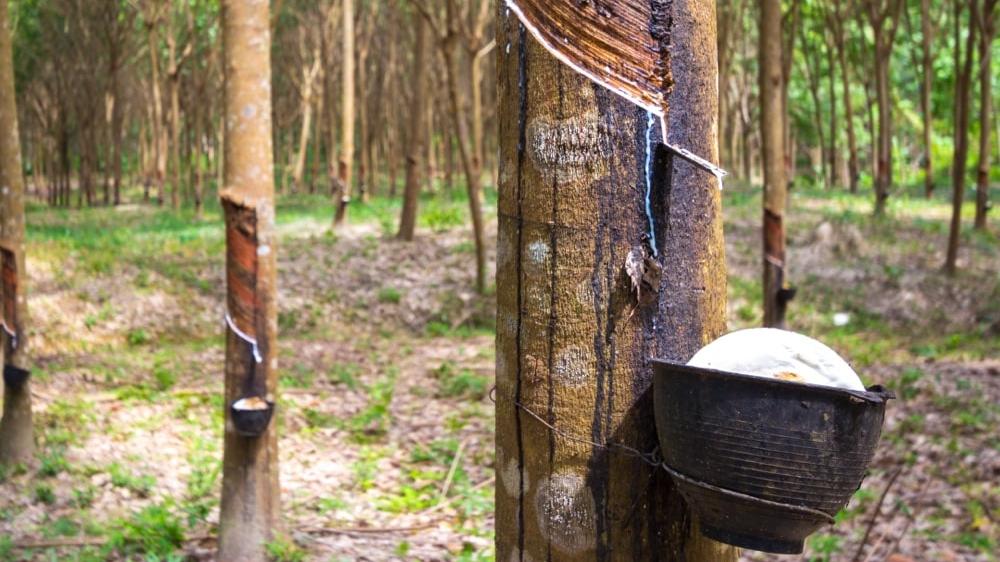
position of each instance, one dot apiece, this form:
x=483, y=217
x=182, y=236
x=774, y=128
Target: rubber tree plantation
x=502, y=280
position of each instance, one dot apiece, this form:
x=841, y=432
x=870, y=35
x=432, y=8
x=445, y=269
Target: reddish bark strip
x=622, y=45
x=10, y=288
x=241, y=265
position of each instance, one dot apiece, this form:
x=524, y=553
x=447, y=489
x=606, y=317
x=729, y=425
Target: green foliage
x=138, y=484
x=282, y=549
x=345, y=374
x=84, y=497
x=44, y=494
x=372, y=422
x=154, y=531
x=137, y=336
x=389, y=295
x=6, y=549
x=460, y=383
x=53, y=461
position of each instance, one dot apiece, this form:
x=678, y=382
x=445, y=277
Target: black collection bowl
x=251, y=422
x=763, y=462
x=15, y=377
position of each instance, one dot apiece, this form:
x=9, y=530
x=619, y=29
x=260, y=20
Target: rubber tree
x=17, y=442
x=250, y=506
x=772, y=120
x=346, y=161
x=987, y=31
x=883, y=15
x=963, y=109
x=416, y=132
x=581, y=307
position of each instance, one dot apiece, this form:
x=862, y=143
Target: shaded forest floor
x=386, y=361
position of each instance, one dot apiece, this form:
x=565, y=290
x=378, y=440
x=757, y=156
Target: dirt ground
x=387, y=359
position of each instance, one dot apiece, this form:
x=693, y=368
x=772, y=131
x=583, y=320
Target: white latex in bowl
x=780, y=354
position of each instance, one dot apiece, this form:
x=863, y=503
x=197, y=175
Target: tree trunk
x=17, y=442
x=417, y=134
x=158, y=129
x=987, y=31
x=853, y=169
x=346, y=162
x=927, y=62
x=573, y=339
x=472, y=176
x=963, y=108
x=772, y=136
x=250, y=509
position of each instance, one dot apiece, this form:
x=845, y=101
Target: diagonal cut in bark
x=243, y=298
x=10, y=291
x=241, y=264
x=623, y=45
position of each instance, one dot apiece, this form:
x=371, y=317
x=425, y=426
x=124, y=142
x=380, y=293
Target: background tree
x=963, y=101
x=772, y=128
x=883, y=15
x=987, y=31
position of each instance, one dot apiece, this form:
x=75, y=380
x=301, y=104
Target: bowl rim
x=875, y=394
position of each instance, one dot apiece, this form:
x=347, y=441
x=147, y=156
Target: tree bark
x=927, y=64
x=987, y=32
x=250, y=509
x=465, y=151
x=345, y=164
x=962, y=111
x=417, y=134
x=884, y=18
x=17, y=442
x=573, y=337
x=772, y=136
x=853, y=169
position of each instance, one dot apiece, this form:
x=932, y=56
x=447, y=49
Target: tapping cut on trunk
x=241, y=266
x=10, y=294
x=623, y=45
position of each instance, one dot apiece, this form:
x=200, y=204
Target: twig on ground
x=83, y=541
x=875, y=515
x=452, y=500
x=370, y=530
x=451, y=470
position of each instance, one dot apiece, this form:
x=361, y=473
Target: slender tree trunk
x=249, y=513
x=347, y=114
x=985, y=111
x=573, y=339
x=299, y=168
x=963, y=109
x=17, y=442
x=472, y=176
x=417, y=134
x=772, y=136
x=158, y=132
x=853, y=168
x=927, y=62
x=175, y=138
